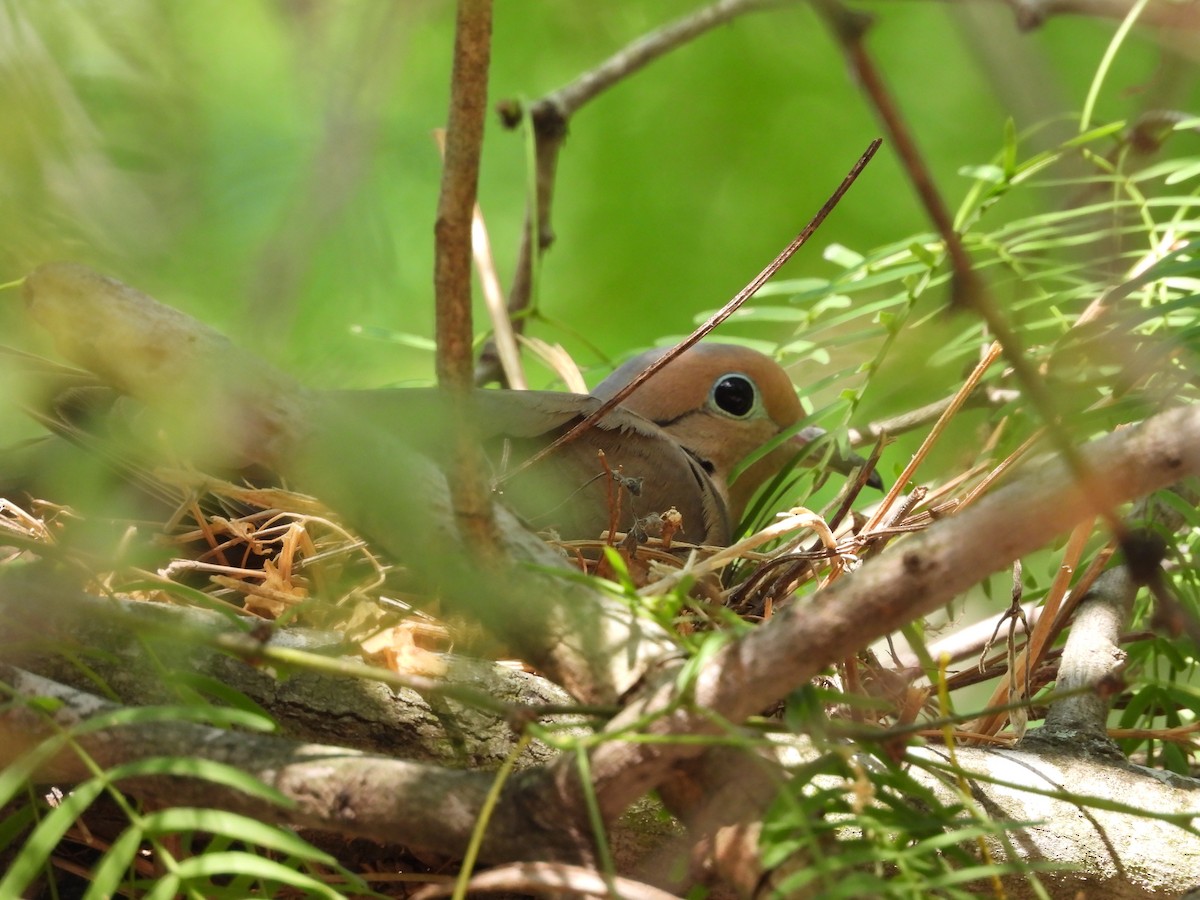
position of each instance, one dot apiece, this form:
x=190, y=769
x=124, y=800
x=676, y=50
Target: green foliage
x=864, y=828
x=1113, y=231
x=224, y=854
x=251, y=162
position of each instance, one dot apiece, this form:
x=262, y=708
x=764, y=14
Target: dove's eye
x=734, y=395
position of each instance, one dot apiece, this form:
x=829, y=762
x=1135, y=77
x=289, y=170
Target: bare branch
x=550, y=117
x=982, y=397
x=1092, y=658
x=470, y=494
x=645, y=50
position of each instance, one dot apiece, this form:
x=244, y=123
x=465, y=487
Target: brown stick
x=549, y=118
x=452, y=264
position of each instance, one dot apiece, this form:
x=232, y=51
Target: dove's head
x=721, y=402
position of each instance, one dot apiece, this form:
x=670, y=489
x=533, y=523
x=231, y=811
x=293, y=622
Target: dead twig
x=550, y=117
x=981, y=397
x=882, y=514
x=1039, y=641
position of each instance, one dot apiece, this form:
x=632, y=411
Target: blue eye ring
x=734, y=395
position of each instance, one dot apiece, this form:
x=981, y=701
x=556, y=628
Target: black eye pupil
x=734, y=394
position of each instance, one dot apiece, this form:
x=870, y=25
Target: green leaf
x=114, y=866
x=1008, y=152
x=17, y=773
x=15, y=824
x=986, y=173
x=387, y=335
x=831, y=302
x=166, y=888
x=217, y=716
x=206, y=685
x=1184, y=173
x=842, y=256
x=234, y=827
x=215, y=865
x=1094, y=134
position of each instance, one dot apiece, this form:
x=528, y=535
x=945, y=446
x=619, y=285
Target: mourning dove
x=676, y=440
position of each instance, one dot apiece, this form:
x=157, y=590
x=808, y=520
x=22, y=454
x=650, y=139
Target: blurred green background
x=268, y=164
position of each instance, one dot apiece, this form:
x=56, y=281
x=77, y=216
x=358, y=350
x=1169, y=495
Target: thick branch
x=915, y=577
x=141, y=652
x=424, y=807
x=1093, y=659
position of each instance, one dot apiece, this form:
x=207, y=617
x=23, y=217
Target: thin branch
x=968, y=290
x=456, y=201
x=966, y=641
x=329, y=788
x=982, y=397
x=550, y=117
x=645, y=50
x=452, y=265
x=850, y=27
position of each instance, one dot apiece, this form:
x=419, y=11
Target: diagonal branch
x=915, y=577
x=968, y=290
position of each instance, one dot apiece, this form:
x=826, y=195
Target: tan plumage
x=700, y=400
x=679, y=437
x=681, y=434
